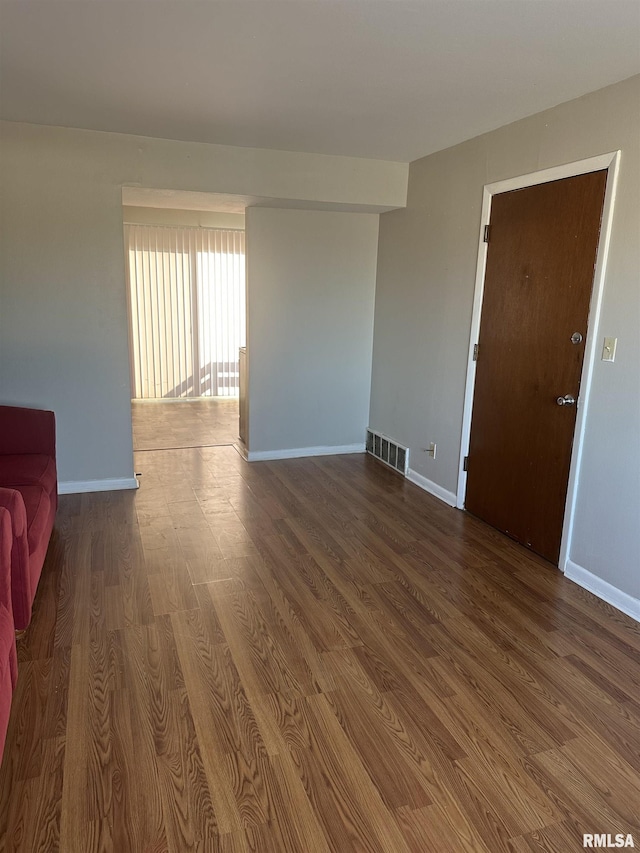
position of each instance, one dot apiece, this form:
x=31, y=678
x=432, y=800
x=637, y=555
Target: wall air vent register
x=388, y=451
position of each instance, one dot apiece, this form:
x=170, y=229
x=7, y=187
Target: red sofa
x=29, y=491
x=8, y=656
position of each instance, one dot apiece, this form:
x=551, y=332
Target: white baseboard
x=604, y=590
x=299, y=452
x=240, y=447
x=431, y=487
x=77, y=487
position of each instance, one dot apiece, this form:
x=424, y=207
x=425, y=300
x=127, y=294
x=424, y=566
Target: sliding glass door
x=187, y=310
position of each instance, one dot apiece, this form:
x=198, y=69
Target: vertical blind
x=187, y=310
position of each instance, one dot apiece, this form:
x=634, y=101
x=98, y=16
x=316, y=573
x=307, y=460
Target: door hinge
x=486, y=233
x=476, y=350
x=465, y=464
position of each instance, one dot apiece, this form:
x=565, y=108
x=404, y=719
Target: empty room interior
x=319, y=426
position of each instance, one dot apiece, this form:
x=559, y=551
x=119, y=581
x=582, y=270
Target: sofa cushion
x=8, y=653
x=12, y=500
x=28, y=469
x=8, y=670
x=6, y=544
x=21, y=591
x=37, y=505
x=8, y=656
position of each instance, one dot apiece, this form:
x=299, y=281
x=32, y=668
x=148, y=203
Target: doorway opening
x=522, y=428
x=186, y=297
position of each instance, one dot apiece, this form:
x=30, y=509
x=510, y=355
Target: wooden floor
x=311, y=655
x=162, y=424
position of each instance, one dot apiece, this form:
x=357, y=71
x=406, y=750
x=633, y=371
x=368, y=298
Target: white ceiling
x=386, y=79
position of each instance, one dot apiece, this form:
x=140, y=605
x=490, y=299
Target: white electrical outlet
x=609, y=349
x=432, y=449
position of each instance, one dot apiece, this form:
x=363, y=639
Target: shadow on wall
x=215, y=379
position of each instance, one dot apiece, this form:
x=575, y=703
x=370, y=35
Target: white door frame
x=610, y=162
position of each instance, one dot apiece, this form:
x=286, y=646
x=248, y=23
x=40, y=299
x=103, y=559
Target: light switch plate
x=609, y=349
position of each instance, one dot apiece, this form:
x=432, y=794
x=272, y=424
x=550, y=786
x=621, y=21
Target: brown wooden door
x=539, y=276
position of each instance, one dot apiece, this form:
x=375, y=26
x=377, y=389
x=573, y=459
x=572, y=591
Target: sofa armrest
x=27, y=431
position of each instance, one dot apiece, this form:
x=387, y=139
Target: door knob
x=567, y=400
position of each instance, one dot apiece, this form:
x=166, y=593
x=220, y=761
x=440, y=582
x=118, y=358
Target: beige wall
x=63, y=318
x=426, y=277
x=193, y=218
x=311, y=277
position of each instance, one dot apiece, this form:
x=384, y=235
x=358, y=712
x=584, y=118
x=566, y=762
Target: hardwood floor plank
x=594, y=710
x=287, y=797
x=374, y=728
x=210, y=701
x=522, y=808
x=508, y=670
x=556, y=838
x=44, y=825
x=608, y=774
x=345, y=799
x=305, y=588
x=428, y=828
x=227, y=708
x=534, y=730
x=31, y=725
x=171, y=589
x=293, y=614
x=99, y=775
x=55, y=709
x=148, y=727
x=255, y=633
x=74, y=817
x=189, y=815
x=574, y=795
